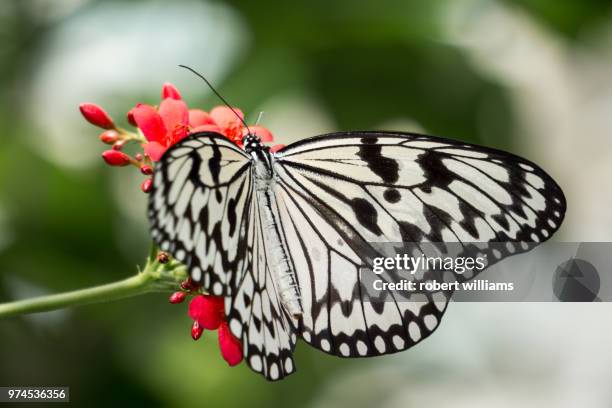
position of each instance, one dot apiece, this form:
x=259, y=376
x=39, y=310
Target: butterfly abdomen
x=278, y=259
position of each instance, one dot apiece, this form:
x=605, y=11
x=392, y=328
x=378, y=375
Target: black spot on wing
x=435, y=172
x=410, y=232
x=204, y=218
x=385, y=168
x=501, y=220
x=392, y=195
x=369, y=140
x=231, y=209
x=364, y=211
x=231, y=215
x=469, y=216
x=366, y=214
x=214, y=166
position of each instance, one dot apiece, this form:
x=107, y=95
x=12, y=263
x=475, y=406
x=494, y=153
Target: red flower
x=208, y=313
x=201, y=121
x=207, y=310
x=162, y=128
x=230, y=124
x=231, y=349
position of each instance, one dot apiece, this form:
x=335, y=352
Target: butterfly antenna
x=259, y=118
x=212, y=88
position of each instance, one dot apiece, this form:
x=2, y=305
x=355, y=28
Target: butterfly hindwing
x=338, y=318
x=255, y=313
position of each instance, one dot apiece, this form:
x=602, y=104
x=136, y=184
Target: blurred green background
x=532, y=77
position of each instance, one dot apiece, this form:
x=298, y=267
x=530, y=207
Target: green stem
x=155, y=277
x=135, y=285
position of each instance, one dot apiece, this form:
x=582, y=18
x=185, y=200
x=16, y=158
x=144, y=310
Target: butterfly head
x=261, y=159
x=251, y=142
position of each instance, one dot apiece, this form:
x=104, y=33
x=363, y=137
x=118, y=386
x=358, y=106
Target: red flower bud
x=109, y=136
x=196, y=331
x=170, y=91
x=130, y=118
x=96, y=115
x=187, y=284
x=115, y=158
x=138, y=156
x=163, y=258
x=118, y=145
x=177, y=297
x=231, y=349
x=146, y=170
x=146, y=185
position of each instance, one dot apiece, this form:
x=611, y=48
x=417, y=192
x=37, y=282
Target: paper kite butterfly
x=282, y=236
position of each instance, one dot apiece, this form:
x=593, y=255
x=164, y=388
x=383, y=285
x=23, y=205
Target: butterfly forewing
x=403, y=187
x=199, y=208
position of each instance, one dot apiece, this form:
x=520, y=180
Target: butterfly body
x=282, y=273
x=286, y=234
x=278, y=262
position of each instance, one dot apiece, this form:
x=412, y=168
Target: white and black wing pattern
x=338, y=318
x=199, y=208
x=202, y=211
x=338, y=193
x=255, y=313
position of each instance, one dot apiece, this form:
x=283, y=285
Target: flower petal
x=207, y=311
x=207, y=128
x=197, y=117
x=150, y=123
x=264, y=134
x=155, y=150
x=276, y=148
x=226, y=119
x=174, y=113
x=170, y=91
x=231, y=349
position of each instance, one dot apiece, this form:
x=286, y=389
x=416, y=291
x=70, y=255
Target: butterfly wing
x=202, y=211
x=255, y=313
x=339, y=193
x=199, y=208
